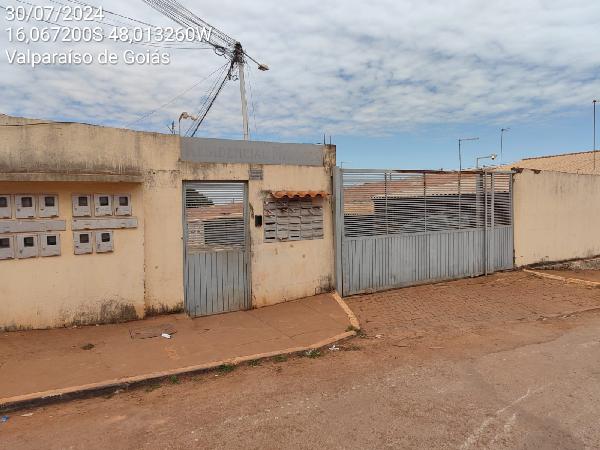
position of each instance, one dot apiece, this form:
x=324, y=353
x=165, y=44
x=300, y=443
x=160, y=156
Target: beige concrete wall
x=150, y=276
x=557, y=216
x=75, y=289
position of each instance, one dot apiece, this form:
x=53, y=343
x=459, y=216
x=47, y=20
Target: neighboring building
x=556, y=207
x=582, y=163
x=101, y=224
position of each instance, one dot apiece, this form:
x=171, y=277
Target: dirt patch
x=586, y=275
x=462, y=306
x=581, y=264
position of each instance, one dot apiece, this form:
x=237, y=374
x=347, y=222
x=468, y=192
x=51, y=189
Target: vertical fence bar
x=425, y=200
x=338, y=217
x=485, y=223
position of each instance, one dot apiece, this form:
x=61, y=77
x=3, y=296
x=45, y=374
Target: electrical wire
x=150, y=113
x=208, y=103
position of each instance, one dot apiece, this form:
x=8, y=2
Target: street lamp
x=493, y=157
x=502, y=131
x=185, y=115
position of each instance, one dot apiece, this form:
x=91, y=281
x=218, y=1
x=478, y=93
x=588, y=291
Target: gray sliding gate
x=399, y=228
x=216, y=254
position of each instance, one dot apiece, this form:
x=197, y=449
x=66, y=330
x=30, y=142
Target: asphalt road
x=526, y=382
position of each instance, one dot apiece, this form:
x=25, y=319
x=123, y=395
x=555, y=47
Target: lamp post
x=185, y=115
x=493, y=157
x=502, y=131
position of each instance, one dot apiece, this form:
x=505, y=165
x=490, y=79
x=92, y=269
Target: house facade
x=99, y=224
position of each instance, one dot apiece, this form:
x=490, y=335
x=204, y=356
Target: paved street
x=496, y=362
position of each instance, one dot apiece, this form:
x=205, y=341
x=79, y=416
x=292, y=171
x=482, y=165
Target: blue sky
x=394, y=82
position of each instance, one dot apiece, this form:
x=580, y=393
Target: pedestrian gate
x=216, y=248
x=400, y=228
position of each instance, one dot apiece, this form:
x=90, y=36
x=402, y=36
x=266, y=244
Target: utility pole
x=239, y=60
x=502, y=131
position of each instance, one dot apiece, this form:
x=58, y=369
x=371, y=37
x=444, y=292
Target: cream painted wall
x=149, y=274
x=55, y=291
x=557, y=216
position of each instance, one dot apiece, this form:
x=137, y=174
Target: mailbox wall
x=75, y=289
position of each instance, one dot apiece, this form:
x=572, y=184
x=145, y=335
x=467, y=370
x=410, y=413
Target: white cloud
x=347, y=67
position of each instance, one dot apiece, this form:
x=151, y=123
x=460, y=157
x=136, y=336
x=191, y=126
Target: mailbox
x=102, y=205
x=50, y=244
x=48, y=205
x=122, y=203
x=104, y=241
x=83, y=242
x=7, y=247
x=82, y=205
x=27, y=246
x=5, y=206
x=25, y=206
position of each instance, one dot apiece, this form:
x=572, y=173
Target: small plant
x=254, y=363
x=280, y=358
x=226, y=368
x=87, y=346
x=174, y=379
x=313, y=354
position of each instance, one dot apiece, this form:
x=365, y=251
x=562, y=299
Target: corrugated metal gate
x=399, y=228
x=216, y=253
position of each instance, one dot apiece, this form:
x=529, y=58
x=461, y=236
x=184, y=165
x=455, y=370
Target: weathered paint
x=252, y=152
x=146, y=269
x=75, y=289
x=556, y=216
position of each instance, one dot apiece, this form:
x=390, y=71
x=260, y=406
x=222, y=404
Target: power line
x=176, y=97
x=146, y=44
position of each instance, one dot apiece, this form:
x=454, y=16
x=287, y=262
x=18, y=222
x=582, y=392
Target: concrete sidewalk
x=46, y=363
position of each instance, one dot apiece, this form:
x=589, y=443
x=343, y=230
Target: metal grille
x=293, y=219
x=214, y=214
x=386, y=203
x=400, y=228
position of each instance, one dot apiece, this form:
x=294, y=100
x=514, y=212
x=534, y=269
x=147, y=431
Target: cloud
x=346, y=67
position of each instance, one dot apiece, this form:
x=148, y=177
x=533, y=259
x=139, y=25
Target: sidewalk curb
x=38, y=399
x=353, y=320
x=591, y=284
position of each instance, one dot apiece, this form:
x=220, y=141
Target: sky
x=394, y=84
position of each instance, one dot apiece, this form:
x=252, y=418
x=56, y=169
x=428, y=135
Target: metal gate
x=216, y=248
x=400, y=228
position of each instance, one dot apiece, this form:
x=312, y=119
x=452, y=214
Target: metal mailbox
x=83, y=242
x=25, y=206
x=50, y=244
x=102, y=205
x=7, y=247
x=27, y=246
x=122, y=203
x=82, y=205
x=48, y=205
x=5, y=206
x=104, y=241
